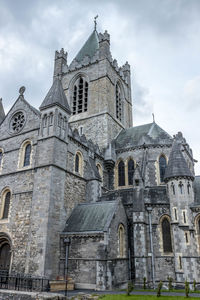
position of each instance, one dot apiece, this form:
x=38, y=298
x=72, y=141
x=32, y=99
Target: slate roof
x=148, y=133
x=177, y=165
x=197, y=189
x=56, y=96
x=89, y=48
x=92, y=171
x=90, y=217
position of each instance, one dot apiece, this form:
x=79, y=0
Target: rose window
x=17, y=122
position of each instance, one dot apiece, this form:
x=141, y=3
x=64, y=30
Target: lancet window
x=121, y=173
x=166, y=235
x=6, y=206
x=162, y=167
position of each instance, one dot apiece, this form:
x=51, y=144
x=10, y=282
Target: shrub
x=170, y=280
x=130, y=287
x=194, y=285
x=187, y=289
x=159, y=289
x=144, y=283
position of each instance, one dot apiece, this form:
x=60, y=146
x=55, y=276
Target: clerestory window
x=162, y=167
x=121, y=173
x=80, y=96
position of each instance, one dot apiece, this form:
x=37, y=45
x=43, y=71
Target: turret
x=180, y=191
x=55, y=112
x=60, y=62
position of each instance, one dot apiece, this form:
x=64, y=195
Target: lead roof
x=89, y=48
x=144, y=134
x=90, y=217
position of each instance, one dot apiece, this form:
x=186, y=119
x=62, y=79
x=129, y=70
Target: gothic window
x=130, y=171
x=162, y=167
x=121, y=240
x=166, y=235
x=173, y=188
x=121, y=173
x=45, y=121
x=181, y=187
x=27, y=155
x=6, y=204
x=80, y=96
x=51, y=119
x=79, y=163
x=118, y=102
x=188, y=188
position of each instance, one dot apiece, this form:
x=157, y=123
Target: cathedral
x=84, y=193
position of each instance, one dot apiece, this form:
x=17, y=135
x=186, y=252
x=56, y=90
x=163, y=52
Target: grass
x=144, y=297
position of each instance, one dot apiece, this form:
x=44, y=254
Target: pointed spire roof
x=2, y=113
x=56, y=96
x=177, y=166
x=89, y=48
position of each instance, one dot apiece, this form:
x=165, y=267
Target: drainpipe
x=149, y=209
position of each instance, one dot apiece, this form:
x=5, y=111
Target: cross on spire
x=95, y=22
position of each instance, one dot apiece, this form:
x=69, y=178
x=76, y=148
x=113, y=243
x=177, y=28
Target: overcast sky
x=159, y=38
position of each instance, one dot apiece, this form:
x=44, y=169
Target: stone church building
x=85, y=193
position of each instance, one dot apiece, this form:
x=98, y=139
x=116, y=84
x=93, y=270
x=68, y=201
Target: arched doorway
x=5, y=253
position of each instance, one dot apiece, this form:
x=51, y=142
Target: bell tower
x=98, y=90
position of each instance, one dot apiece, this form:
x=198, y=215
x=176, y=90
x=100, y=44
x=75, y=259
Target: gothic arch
x=79, y=93
x=130, y=165
x=5, y=252
x=121, y=240
x=78, y=163
x=5, y=203
x=120, y=173
x=161, y=166
x=25, y=154
x=166, y=234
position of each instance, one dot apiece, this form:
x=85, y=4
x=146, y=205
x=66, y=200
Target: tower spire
x=95, y=22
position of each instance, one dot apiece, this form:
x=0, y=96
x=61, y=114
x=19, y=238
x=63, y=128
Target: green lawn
x=142, y=297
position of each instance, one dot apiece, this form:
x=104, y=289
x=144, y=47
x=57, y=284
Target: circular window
x=17, y=122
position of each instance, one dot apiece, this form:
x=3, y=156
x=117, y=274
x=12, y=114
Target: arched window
x=188, y=188
x=5, y=252
x=27, y=155
x=45, y=121
x=162, y=167
x=173, y=188
x=121, y=173
x=6, y=205
x=51, y=119
x=80, y=96
x=78, y=163
x=121, y=240
x=166, y=235
x=118, y=102
x=130, y=171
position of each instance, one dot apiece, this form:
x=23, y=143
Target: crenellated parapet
x=60, y=62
